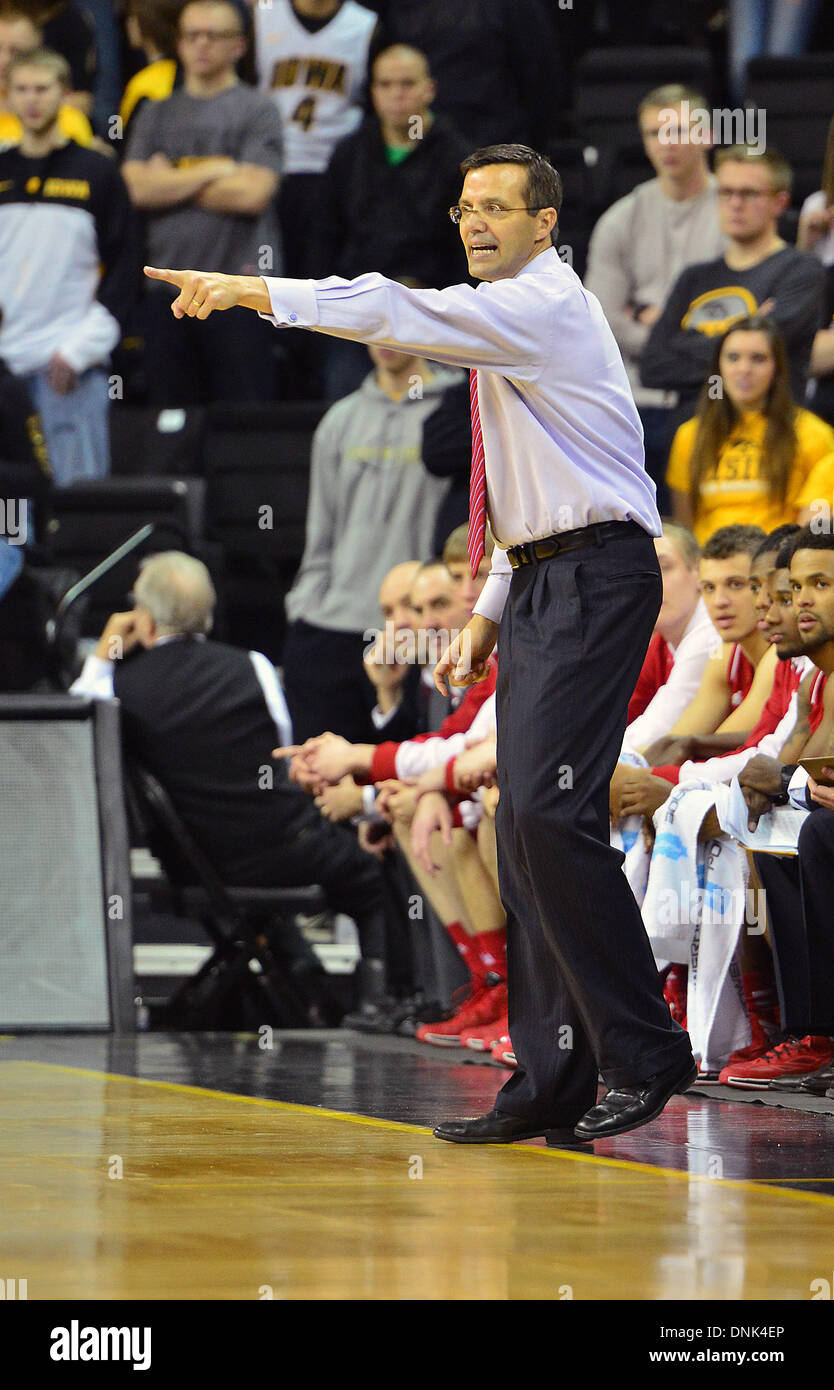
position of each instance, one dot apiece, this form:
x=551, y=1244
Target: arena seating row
x=228, y=484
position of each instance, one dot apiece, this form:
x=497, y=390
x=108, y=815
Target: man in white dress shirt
x=576, y=588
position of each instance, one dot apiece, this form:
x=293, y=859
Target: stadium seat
x=611, y=83
x=146, y=441
x=797, y=97
x=257, y=465
x=92, y=518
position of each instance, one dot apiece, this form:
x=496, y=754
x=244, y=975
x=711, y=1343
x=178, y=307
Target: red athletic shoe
x=791, y=1057
x=481, y=1039
x=674, y=992
x=502, y=1053
x=486, y=1002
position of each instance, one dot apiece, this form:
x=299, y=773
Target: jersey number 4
x=304, y=112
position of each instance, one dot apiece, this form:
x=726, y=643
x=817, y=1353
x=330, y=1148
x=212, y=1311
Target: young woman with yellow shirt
x=750, y=455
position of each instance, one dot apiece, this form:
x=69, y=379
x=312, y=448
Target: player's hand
x=823, y=795
x=201, y=291
x=465, y=660
x=373, y=839
x=327, y=757
x=340, y=802
x=62, y=377
x=760, y=781
x=433, y=814
x=641, y=793
x=477, y=766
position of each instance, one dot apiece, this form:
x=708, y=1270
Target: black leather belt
x=530, y=552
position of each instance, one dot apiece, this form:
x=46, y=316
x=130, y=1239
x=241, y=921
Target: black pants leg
x=325, y=684
x=352, y=880
x=780, y=878
x=583, y=986
x=816, y=860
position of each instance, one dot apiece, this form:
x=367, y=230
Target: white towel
x=694, y=909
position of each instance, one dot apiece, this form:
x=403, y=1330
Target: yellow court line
x=627, y=1164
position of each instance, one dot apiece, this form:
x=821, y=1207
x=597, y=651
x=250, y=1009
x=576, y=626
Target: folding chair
x=235, y=919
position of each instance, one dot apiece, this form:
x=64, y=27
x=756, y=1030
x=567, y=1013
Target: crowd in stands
x=325, y=137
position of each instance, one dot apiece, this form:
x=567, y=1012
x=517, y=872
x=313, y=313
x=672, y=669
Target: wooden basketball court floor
x=197, y=1166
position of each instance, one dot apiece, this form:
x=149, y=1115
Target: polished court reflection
x=114, y=1186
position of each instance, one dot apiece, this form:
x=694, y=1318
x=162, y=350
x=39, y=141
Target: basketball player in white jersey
x=312, y=59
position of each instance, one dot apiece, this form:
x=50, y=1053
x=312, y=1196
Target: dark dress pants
x=226, y=357
x=800, y=911
x=584, y=991
x=325, y=683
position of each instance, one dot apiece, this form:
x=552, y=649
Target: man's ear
x=548, y=219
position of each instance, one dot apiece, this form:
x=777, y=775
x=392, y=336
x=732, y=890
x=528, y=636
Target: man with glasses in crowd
x=758, y=273
x=575, y=585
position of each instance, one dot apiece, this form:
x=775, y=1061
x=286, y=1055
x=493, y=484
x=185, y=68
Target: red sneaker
x=481, y=1039
x=486, y=1002
x=502, y=1053
x=674, y=992
x=791, y=1057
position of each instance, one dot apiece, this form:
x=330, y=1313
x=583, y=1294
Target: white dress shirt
x=562, y=437
x=668, y=703
x=96, y=682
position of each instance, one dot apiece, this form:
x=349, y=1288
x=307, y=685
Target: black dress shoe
x=628, y=1107
x=503, y=1129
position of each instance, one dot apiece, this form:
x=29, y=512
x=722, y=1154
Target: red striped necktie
x=477, y=483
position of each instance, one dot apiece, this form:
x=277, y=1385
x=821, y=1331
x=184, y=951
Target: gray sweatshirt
x=638, y=249
x=372, y=503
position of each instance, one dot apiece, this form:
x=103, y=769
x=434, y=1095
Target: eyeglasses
x=491, y=211
x=747, y=195
x=211, y=35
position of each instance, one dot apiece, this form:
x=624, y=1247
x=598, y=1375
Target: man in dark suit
x=203, y=716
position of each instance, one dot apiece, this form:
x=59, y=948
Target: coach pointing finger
x=573, y=595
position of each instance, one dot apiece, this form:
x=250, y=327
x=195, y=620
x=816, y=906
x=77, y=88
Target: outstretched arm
x=202, y=292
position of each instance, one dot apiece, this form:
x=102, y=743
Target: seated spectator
x=202, y=717
x=19, y=34
x=816, y=234
x=683, y=639
x=152, y=27
x=816, y=219
x=498, y=70
x=203, y=165
x=758, y=274
x=371, y=502
x=385, y=196
x=750, y=454
x=68, y=29
x=312, y=62
x=64, y=214
x=642, y=243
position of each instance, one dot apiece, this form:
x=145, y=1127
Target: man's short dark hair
x=733, y=540
x=777, y=538
x=544, y=186
x=809, y=539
